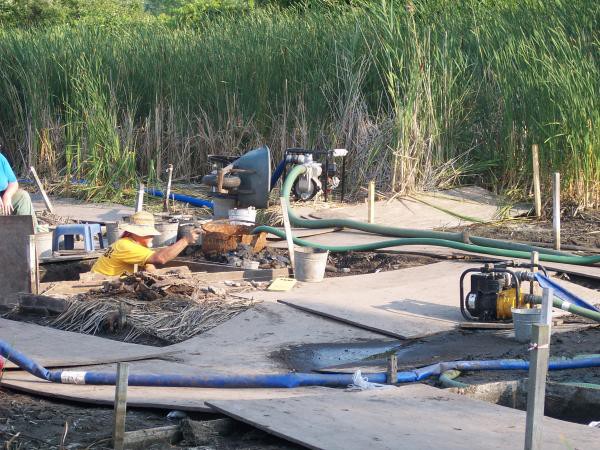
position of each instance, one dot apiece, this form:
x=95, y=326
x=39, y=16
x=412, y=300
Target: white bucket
x=310, y=264
x=522, y=320
x=43, y=244
x=168, y=234
x=242, y=216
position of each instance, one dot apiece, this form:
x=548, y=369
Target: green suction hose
x=570, y=307
x=408, y=236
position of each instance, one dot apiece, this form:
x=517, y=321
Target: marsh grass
x=424, y=94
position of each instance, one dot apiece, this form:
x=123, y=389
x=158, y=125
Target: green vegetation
x=422, y=94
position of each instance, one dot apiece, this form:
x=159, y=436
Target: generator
x=495, y=290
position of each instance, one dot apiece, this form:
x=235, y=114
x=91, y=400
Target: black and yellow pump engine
x=494, y=291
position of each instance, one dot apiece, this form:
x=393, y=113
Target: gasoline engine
x=495, y=289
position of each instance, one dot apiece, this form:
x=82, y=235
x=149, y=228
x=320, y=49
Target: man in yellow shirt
x=132, y=248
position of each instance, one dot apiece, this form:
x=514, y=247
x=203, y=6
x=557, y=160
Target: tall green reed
x=423, y=94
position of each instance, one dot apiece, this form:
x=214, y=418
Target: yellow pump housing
x=506, y=301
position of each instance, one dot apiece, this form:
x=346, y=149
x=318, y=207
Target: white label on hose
x=72, y=377
x=566, y=306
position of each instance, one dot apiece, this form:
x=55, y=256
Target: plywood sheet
x=56, y=348
x=249, y=342
x=413, y=417
x=429, y=210
x=187, y=399
x=86, y=212
x=15, y=273
x=408, y=303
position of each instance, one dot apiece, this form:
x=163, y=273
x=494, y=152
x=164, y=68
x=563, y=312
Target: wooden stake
x=535, y=259
x=537, y=194
x=47, y=202
x=139, y=202
x=288, y=230
x=547, y=297
x=556, y=210
x=168, y=191
x=536, y=385
x=120, y=406
x=371, y=202
x=392, y=369
x=33, y=264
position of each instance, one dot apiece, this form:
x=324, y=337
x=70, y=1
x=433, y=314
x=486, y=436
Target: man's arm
x=164, y=255
x=6, y=206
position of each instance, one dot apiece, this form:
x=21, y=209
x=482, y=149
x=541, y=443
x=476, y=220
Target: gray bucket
x=113, y=232
x=221, y=207
x=43, y=244
x=168, y=234
x=310, y=264
x=522, y=320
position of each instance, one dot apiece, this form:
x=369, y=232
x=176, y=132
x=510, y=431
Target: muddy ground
x=30, y=422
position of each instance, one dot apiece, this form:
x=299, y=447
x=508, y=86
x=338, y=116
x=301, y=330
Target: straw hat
x=140, y=224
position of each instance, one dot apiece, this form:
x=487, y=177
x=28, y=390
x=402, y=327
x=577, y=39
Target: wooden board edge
x=350, y=322
x=218, y=409
x=16, y=385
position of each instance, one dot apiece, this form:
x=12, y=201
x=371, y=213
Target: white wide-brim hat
x=140, y=224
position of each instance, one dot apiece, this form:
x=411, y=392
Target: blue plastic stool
x=87, y=230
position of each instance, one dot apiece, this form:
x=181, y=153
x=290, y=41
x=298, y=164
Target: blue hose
x=194, y=201
x=562, y=293
x=286, y=380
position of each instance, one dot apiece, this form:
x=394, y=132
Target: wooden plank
x=412, y=417
x=85, y=212
x=486, y=326
x=18, y=273
x=40, y=186
x=470, y=201
x=147, y=437
x=56, y=348
x=404, y=303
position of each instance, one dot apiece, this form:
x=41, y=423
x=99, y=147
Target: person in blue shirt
x=13, y=201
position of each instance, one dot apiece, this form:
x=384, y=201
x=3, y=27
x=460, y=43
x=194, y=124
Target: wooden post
x=32, y=262
x=371, y=202
x=547, y=297
x=392, y=369
x=288, y=230
x=537, y=194
x=40, y=186
x=120, y=406
x=535, y=259
x=168, y=191
x=139, y=201
x=556, y=210
x=536, y=384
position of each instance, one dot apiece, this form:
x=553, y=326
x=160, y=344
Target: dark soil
x=30, y=422
x=357, y=263
x=581, y=231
